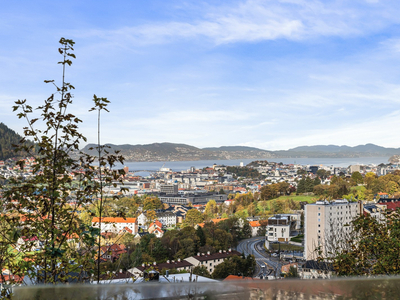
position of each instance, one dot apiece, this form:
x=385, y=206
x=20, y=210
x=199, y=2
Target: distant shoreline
x=199, y=164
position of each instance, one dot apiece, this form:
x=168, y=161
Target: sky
x=271, y=74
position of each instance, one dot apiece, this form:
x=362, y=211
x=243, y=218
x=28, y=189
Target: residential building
x=255, y=225
x=377, y=211
x=142, y=220
x=210, y=261
x=179, y=265
x=156, y=229
x=115, y=225
x=112, y=252
x=167, y=219
x=285, y=268
x=326, y=221
x=282, y=226
x=316, y=270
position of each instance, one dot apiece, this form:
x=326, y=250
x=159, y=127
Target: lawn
x=296, y=198
x=298, y=239
x=286, y=247
x=300, y=198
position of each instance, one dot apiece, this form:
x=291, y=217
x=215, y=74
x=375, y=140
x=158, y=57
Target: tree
x=246, y=230
x=193, y=217
x=293, y=273
x=152, y=203
x=151, y=216
x=368, y=179
x=370, y=249
x=252, y=209
x=235, y=265
x=201, y=236
x=38, y=215
x=301, y=172
x=201, y=271
x=264, y=205
x=211, y=208
x=357, y=177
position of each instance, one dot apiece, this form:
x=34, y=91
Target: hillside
x=8, y=137
x=181, y=152
x=319, y=151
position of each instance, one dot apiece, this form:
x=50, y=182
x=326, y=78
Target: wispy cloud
x=260, y=20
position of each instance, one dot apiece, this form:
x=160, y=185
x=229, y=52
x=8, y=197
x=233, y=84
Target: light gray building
x=327, y=223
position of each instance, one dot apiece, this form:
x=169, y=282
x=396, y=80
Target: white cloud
x=259, y=20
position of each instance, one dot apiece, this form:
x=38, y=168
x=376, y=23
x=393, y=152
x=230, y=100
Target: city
x=184, y=149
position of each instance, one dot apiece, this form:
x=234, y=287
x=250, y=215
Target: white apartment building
x=167, y=218
x=326, y=221
x=281, y=226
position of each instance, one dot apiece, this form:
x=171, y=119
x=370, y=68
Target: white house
x=210, y=261
x=116, y=224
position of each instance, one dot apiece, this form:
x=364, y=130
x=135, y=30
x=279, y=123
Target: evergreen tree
x=201, y=236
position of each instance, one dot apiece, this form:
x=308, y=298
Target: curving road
x=265, y=264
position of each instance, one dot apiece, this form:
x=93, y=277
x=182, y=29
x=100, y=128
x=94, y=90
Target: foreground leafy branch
x=42, y=239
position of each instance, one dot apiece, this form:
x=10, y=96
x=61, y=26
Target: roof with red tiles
x=114, y=220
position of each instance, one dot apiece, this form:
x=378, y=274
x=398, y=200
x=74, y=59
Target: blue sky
x=268, y=74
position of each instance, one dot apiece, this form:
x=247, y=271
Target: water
x=199, y=164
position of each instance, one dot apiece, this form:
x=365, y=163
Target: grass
x=296, y=198
x=287, y=247
x=298, y=238
x=299, y=198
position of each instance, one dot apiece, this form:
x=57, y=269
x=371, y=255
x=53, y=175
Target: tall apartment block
x=324, y=221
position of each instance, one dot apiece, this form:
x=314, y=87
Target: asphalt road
x=266, y=265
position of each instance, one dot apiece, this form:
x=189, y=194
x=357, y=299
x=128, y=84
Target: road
x=255, y=246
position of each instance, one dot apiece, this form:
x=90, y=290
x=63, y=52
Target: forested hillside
x=8, y=137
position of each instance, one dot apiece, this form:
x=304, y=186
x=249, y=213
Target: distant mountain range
x=319, y=151
x=180, y=152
